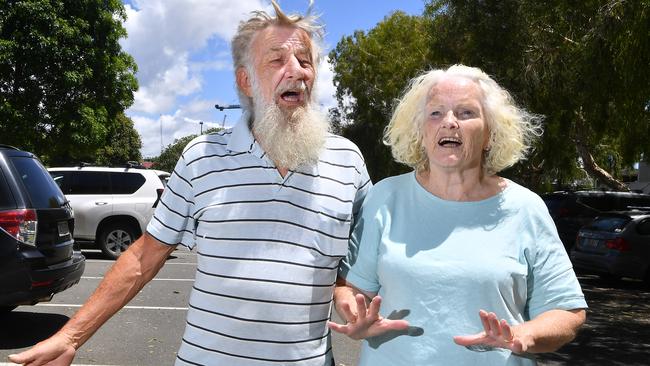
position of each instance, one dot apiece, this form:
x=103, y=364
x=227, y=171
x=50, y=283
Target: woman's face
x=455, y=130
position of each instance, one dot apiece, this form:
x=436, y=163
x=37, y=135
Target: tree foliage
x=370, y=71
x=123, y=144
x=63, y=76
x=583, y=65
x=169, y=156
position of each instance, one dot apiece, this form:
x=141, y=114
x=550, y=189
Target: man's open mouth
x=291, y=96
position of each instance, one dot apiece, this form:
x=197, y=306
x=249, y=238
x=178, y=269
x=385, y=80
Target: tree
x=581, y=64
x=123, y=144
x=63, y=76
x=370, y=71
x=170, y=155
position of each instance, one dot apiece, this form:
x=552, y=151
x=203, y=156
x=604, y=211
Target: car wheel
x=116, y=238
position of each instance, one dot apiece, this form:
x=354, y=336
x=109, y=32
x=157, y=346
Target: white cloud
x=162, y=36
x=325, y=89
x=178, y=45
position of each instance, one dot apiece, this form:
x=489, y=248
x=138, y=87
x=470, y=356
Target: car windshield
x=609, y=223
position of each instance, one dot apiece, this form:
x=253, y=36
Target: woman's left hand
x=495, y=334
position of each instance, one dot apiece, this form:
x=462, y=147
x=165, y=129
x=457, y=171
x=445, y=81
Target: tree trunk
x=590, y=165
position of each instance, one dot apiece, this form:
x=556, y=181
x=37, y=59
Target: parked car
x=112, y=205
x=615, y=245
x=37, y=252
x=572, y=210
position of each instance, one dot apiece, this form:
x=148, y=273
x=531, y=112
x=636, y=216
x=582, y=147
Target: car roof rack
x=134, y=164
x=9, y=147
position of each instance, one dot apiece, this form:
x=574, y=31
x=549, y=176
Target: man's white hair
x=260, y=20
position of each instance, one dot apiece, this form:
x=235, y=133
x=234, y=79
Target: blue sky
x=182, y=48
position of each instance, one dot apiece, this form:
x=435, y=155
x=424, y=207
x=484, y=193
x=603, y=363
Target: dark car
x=615, y=245
x=572, y=210
x=37, y=254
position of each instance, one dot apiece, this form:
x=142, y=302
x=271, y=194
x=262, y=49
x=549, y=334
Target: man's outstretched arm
x=124, y=280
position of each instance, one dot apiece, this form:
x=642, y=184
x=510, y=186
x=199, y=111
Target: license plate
x=64, y=229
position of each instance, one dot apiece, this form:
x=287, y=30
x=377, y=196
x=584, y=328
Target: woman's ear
x=244, y=81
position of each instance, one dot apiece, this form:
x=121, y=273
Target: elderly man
x=268, y=205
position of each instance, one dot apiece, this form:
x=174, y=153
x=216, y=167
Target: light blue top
x=443, y=261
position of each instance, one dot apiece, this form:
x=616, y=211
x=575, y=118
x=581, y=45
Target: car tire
x=115, y=238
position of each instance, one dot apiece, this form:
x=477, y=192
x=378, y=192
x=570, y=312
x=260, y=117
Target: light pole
x=201, y=123
x=227, y=106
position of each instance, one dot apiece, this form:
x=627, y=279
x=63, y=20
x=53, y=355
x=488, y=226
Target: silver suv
x=112, y=206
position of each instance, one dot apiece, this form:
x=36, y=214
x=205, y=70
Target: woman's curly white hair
x=512, y=129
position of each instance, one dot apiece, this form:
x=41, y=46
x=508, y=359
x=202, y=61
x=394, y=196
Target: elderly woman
x=453, y=249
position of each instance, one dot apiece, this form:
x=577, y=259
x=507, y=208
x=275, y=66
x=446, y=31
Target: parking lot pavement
x=146, y=332
x=149, y=329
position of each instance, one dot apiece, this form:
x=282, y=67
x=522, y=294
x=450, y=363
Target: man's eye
x=305, y=63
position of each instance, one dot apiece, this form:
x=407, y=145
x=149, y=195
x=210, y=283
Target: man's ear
x=244, y=82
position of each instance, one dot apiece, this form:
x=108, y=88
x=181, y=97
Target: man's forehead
x=280, y=38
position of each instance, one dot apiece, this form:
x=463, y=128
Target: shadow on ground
x=617, y=331
x=26, y=328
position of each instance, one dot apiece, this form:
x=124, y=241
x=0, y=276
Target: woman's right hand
x=364, y=320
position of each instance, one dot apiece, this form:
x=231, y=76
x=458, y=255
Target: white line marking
x=74, y=364
x=111, y=263
x=155, y=279
x=126, y=307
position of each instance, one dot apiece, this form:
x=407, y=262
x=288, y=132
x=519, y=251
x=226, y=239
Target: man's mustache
x=294, y=86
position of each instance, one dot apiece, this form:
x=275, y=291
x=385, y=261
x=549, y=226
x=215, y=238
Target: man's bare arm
x=134, y=268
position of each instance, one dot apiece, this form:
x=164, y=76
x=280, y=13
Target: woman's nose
x=450, y=120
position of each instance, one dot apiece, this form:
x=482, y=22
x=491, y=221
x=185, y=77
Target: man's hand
x=54, y=351
x=495, y=334
x=366, y=322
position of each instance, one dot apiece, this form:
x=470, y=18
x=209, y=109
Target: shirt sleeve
x=359, y=267
x=172, y=221
x=552, y=283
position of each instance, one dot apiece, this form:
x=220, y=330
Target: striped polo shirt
x=268, y=247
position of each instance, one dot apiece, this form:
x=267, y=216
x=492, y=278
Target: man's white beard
x=291, y=138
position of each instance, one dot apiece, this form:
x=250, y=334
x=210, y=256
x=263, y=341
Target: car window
x=643, y=227
x=126, y=183
x=608, y=223
x=7, y=200
x=637, y=202
x=601, y=203
x=42, y=191
x=553, y=203
x=80, y=182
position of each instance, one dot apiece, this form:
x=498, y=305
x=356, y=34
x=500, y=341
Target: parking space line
x=126, y=307
x=154, y=279
x=109, y=262
x=74, y=364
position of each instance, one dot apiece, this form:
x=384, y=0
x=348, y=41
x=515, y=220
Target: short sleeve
x=552, y=283
x=364, y=184
x=359, y=267
x=172, y=221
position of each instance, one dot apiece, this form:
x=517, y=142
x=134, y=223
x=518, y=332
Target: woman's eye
x=467, y=113
x=436, y=114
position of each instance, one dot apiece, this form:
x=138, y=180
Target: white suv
x=112, y=206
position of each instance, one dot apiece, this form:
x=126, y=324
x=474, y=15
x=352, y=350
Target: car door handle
x=101, y=203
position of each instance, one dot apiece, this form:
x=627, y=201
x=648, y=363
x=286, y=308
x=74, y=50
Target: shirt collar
x=242, y=140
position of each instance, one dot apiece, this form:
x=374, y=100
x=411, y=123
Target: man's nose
x=450, y=120
x=293, y=69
